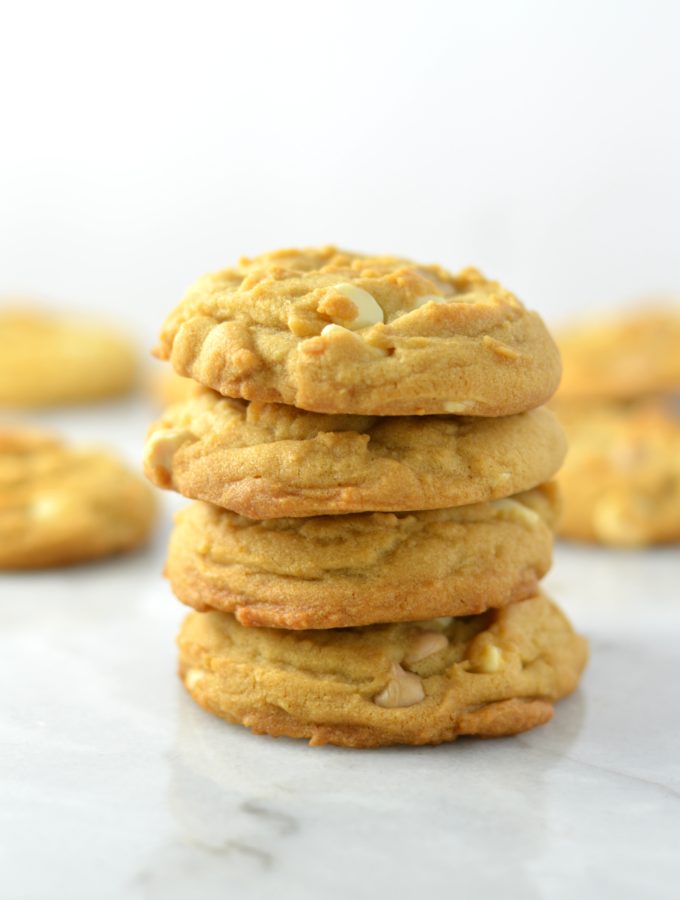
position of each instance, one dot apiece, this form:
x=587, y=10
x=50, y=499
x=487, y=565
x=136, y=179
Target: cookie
x=49, y=359
x=493, y=674
x=336, y=332
x=166, y=387
x=621, y=478
x=270, y=460
x=622, y=356
x=60, y=505
x=337, y=571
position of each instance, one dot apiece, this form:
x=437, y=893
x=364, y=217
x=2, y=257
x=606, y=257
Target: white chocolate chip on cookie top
x=368, y=310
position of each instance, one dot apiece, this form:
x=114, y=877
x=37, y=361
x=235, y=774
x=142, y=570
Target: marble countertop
x=114, y=785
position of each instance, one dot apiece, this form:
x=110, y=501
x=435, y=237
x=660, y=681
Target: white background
x=145, y=143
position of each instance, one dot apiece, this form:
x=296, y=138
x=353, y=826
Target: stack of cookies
x=369, y=464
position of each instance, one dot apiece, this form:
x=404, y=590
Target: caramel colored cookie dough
x=336, y=571
x=270, y=460
x=336, y=332
x=621, y=478
x=49, y=360
x=622, y=356
x=60, y=505
x=493, y=674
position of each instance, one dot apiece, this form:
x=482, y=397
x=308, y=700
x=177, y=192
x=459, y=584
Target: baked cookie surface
x=622, y=356
x=336, y=332
x=493, y=674
x=270, y=460
x=49, y=359
x=60, y=505
x=337, y=571
x=621, y=478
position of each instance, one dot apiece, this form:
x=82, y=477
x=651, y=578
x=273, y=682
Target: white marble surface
x=113, y=785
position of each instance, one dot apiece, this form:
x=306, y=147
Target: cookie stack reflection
x=369, y=461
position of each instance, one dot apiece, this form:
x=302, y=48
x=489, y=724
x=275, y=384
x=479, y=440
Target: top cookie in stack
x=336, y=332
x=368, y=449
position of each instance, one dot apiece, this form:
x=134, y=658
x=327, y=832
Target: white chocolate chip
x=46, y=508
x=192, y=677
x=403, y=689
x=425, y=644
x=162, y=446
x=514, y=510
x=489, y=659
x=445, y=287
x=458, y=406
x=612, y=527
x=370, y=312
x=331, y=329
x=340, y=331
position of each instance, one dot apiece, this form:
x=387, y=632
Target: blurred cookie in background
x=54, y=359
x=621, y=479
x=166, y=387
x=622, y=355
x=61, y=505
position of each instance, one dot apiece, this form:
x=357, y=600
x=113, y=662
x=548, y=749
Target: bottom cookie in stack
x=491, y=674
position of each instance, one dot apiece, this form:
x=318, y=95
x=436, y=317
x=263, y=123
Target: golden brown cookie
x=621, y=478
x=270, y=460
x=50, y=359
x=337, y=571
x=493, y=674
x=336, y=332
x=60, y=505
x=622, y=356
